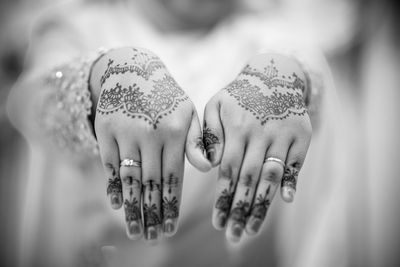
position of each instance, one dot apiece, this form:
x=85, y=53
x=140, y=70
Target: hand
x=142, y=115
x=250, y=126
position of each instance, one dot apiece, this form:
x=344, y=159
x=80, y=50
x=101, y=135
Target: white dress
x=66, y=216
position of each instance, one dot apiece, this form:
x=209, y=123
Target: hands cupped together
x=256, y=129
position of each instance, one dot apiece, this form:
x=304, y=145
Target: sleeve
x=51, y=103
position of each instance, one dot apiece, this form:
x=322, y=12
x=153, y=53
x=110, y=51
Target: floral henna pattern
x=163, y=100
x=224, y=201
x=151, y=217
x=144, y=64
x=170, y=208
x=239, y=213
x=132, y=210
x=261, y=205
x=271, y=78
x=268, y=102
x=209, y=138
x=170, y=203
x=275, y=106
x=114, y=186
x=290, y=177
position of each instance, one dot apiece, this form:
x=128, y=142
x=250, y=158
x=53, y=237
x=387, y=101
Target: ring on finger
x=130, y=163
x=275, y=160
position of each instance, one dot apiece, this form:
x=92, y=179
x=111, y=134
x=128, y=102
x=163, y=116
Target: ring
x=276, y=160
x=130, y=163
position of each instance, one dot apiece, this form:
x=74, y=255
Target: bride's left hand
x=258, y=130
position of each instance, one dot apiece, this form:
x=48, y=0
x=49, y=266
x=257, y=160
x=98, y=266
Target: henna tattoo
x=209, y=138
x=143, y=64
x=114, y=186
x=271, y=103
x=163, y=100
x=150, y=214
x=200, y=143
x=240, y=212
x=224, y=201
x=290, y=177
x=271, y=79
x=170, y=208
x=275, y=106
x=261, y=205
x=132, y=210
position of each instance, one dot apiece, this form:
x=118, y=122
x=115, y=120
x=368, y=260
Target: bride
x=115, y=89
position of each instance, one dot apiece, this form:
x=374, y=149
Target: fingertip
x=288, y=193
x=116, y=201
x=198, y=160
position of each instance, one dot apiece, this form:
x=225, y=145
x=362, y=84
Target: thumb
x=213, y=133
x=195, y=146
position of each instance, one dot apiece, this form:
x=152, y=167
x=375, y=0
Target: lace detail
x=67, y=107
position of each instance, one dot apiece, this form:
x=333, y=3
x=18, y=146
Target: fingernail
x=135, y=228
x=151, y=233
x=211, y=154
x=288, y=193
x=116, y=200
x=222, y=216
x=169, y=227
x=236, y=232
x=255, y=226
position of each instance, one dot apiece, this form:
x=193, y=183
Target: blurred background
x=365, y=63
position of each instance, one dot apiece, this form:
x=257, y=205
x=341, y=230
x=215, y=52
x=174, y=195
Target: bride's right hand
x=143, y=116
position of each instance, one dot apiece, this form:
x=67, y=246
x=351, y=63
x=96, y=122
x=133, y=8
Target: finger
x=213, y=134
x=110, y=158
x=294, y=162
x=131, y=189
x=245, y=189
x=195, y=146
x=227, y=178
x=270, y=178
x=151, y=178
x=173, y=166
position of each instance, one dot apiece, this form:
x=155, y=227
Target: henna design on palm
x=163, y=100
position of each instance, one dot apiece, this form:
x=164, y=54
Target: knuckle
x=172, y=181
x=248, y=180
x=272, y=172
x=129, y=180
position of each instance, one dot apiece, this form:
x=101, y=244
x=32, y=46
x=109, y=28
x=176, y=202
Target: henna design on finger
x=114, y=186
x=224, y=201
x=261, y=205
x=200, y=144
x=132, y=209
x=151, y=217
x=290, y=177
x=240, y=212
x=209, y=138
x=170, y=203
x=151, y=210
x=162, y=101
